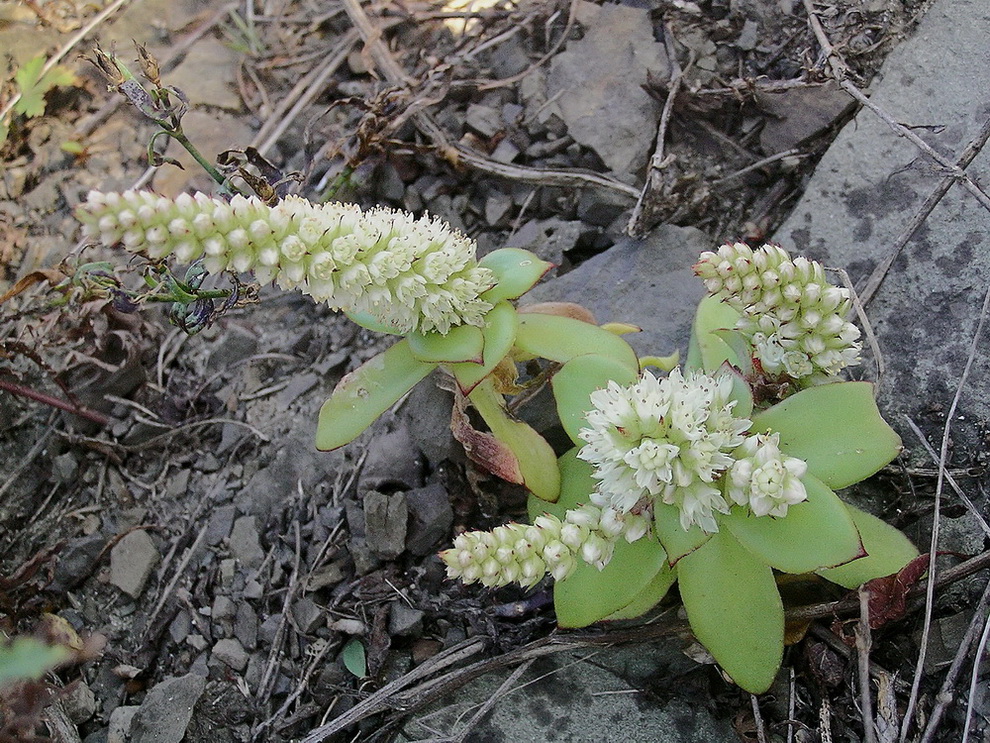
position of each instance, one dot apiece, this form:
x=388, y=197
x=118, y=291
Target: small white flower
x=764, y=478
x=663, y=440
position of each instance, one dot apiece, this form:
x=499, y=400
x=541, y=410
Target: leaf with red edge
x=888, y=595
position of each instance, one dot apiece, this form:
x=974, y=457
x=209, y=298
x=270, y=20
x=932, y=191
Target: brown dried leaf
x=50, y=275
x=888, y=595
x=483, y=448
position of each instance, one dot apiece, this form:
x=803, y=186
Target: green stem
x=215, y=174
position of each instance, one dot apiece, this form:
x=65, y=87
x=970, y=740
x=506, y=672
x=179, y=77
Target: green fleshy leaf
x=461, y=343
x=367, y=392
x=370, y=322
x=576, y=380
x=589, y=595
x=706, y=350
x=649, y=597
x=676, y=541
x=741, y=392
x=354, y=659
x=576, y=487
x=498, y=334
x=836, y=428
x=563, y=338
x=816, y=533
x=516, y=270
x=741, y=349
x=888, y=550
x=537, y=463
x=28, y=659
x=734, y=609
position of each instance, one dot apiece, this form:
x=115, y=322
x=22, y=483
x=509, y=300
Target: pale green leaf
x=734, y=609
x=836, y=428
x=649, y=597
x=562, y=338
x=887, y=549
x=370, y=322
x=635, y=573
x=816, y=533
x=676, y=541
x=516, y=270
x=576, y=380
x=33, y=85
x=461, y=343
x=498, y=335
x=535, y=459
x=28, y=659
x=367, y=392
x=353, y=657
x=706, y=350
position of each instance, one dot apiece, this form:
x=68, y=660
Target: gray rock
x=645, y=282
x=548, y=238
x=393, y=461
x=246, y=626
x=65, y=467
x=869, y=185
x=427, y=416
x=308, y=615
x=79, y=702
x=297, y=460
x=231, y=653
x=385, y=521
x=180, y=627
x=431, y=518
x=405, y=621
x=597, y=83
x=221, y=521
x=268, y=629
x=485, y=120
x=131, y=561
x=223, y=608
x=238, y=344
x=166, y=710
x=76, y=561
x=120, y=723
x=570, y=700
x=245, y=544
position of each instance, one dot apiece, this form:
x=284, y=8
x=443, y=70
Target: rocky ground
x=236, y=584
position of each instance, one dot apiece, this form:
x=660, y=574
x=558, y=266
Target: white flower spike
x=793, y=317
x=408, y=273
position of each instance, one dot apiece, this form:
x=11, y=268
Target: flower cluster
x=764, y=478
x=792, y=316
x=521, y=553
x=410, y=274
x=668, y=439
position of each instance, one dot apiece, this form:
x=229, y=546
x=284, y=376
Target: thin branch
x=864, y=641
x=55, y=402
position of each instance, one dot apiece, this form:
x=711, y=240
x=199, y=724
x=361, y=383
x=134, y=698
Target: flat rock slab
x=166, y=710
x=597, y=84
x=871, y=183
x=131, y=561
x=646, y=282
x=567, y=699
